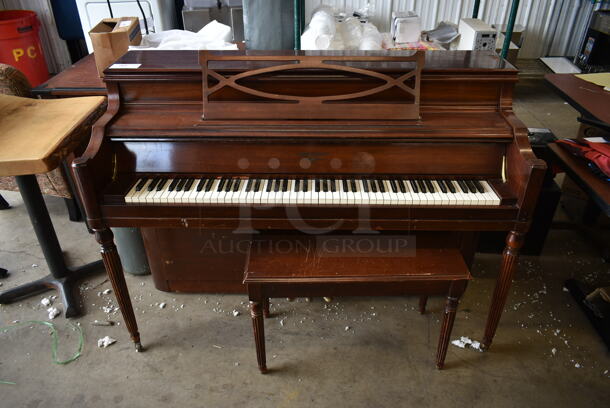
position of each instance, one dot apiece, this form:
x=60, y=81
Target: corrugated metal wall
x=553, y=27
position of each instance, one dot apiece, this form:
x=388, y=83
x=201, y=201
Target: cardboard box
x=111, y=38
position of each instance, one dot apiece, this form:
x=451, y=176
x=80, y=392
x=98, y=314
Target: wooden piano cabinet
x=196, y=260
x=155, y=125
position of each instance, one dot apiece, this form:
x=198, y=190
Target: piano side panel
x=313, y=157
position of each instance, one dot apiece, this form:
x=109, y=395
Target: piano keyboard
x=274, y=191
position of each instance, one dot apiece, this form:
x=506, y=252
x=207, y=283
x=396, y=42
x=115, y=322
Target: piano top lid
x=436, y=61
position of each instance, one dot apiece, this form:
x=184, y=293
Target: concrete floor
x=199, y=355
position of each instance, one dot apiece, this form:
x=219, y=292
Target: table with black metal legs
x=36, y=137
x=62, y=278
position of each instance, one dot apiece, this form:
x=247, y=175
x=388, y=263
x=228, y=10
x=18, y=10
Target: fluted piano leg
x=423, y=300
x=266, y=307
x=514, y=241
x=114, y=269
x=258, y=323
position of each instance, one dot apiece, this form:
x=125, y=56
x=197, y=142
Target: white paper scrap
x=105, y=342
x=125, y=66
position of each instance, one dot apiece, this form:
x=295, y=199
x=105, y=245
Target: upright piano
x=311, y=142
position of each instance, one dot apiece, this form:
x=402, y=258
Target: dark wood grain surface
x=589, y=99
x=467, y=128
x=81, y=79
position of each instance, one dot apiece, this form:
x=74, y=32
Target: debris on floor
x=107, y=291
x=235, y=313
x=46, y=302
x=105, y=342
x=162, y=305
x=464, y=341
x=53, y=312
x=102, y=323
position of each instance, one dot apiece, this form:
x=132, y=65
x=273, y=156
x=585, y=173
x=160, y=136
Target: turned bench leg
x=422, y=304
x=443, y=341
x=258, y=323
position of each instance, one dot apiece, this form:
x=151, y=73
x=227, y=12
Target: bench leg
x=258, y=323
x=422, y=304
x=443, y=341
x=266, y=307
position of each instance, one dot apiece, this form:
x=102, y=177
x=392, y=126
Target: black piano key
x=353, y=184
x=201, y=184
x=402, y=185
x=153, y=184
x=365, y=184
x=333, y=186
x=180, y=184
x=442, y=185
x=381, y=185
x=317, y=187
x=209, y=184
x=285, y=185
x=221, y=185
x=269, y=185
x=374, y=188
x=249, y=185
x=325, y=186
x=430, y=186
x=229, y=185
x=257, y=185
x=161, y=184
x=450, y=186
x=140, y=184
x=172, y=185
x=394, y=186
x=276, y=185
x=463, y=186
x=345, y=185
x=297, y=185
x=188, y=184
x=471, y=186
x=305, y=184
x=414, y=186
x=478, y=186
x=422, y=186
x=237, y=185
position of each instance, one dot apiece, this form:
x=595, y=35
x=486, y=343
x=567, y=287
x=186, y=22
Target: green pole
x=297, y=25
x=509, y=28
x=475, y=10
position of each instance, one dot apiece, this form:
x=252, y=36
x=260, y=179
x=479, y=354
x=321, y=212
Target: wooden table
x=36, y=136
x=81, y=79
x=587, y=98
x=594, y=105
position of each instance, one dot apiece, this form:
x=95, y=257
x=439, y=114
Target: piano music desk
x=302, y=267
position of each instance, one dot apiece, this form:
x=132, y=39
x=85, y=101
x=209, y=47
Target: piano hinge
x=115, y=167
x=504, y=169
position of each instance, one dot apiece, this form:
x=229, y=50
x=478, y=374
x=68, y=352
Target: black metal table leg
x=3, y=204
x=62, y=278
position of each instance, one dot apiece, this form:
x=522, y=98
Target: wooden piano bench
x=307, y=266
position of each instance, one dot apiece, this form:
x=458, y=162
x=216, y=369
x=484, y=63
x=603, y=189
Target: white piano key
x=493, y=198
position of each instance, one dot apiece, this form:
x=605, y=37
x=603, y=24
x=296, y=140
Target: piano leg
x=514, y=241
x=258, y=323
x=114, y=269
